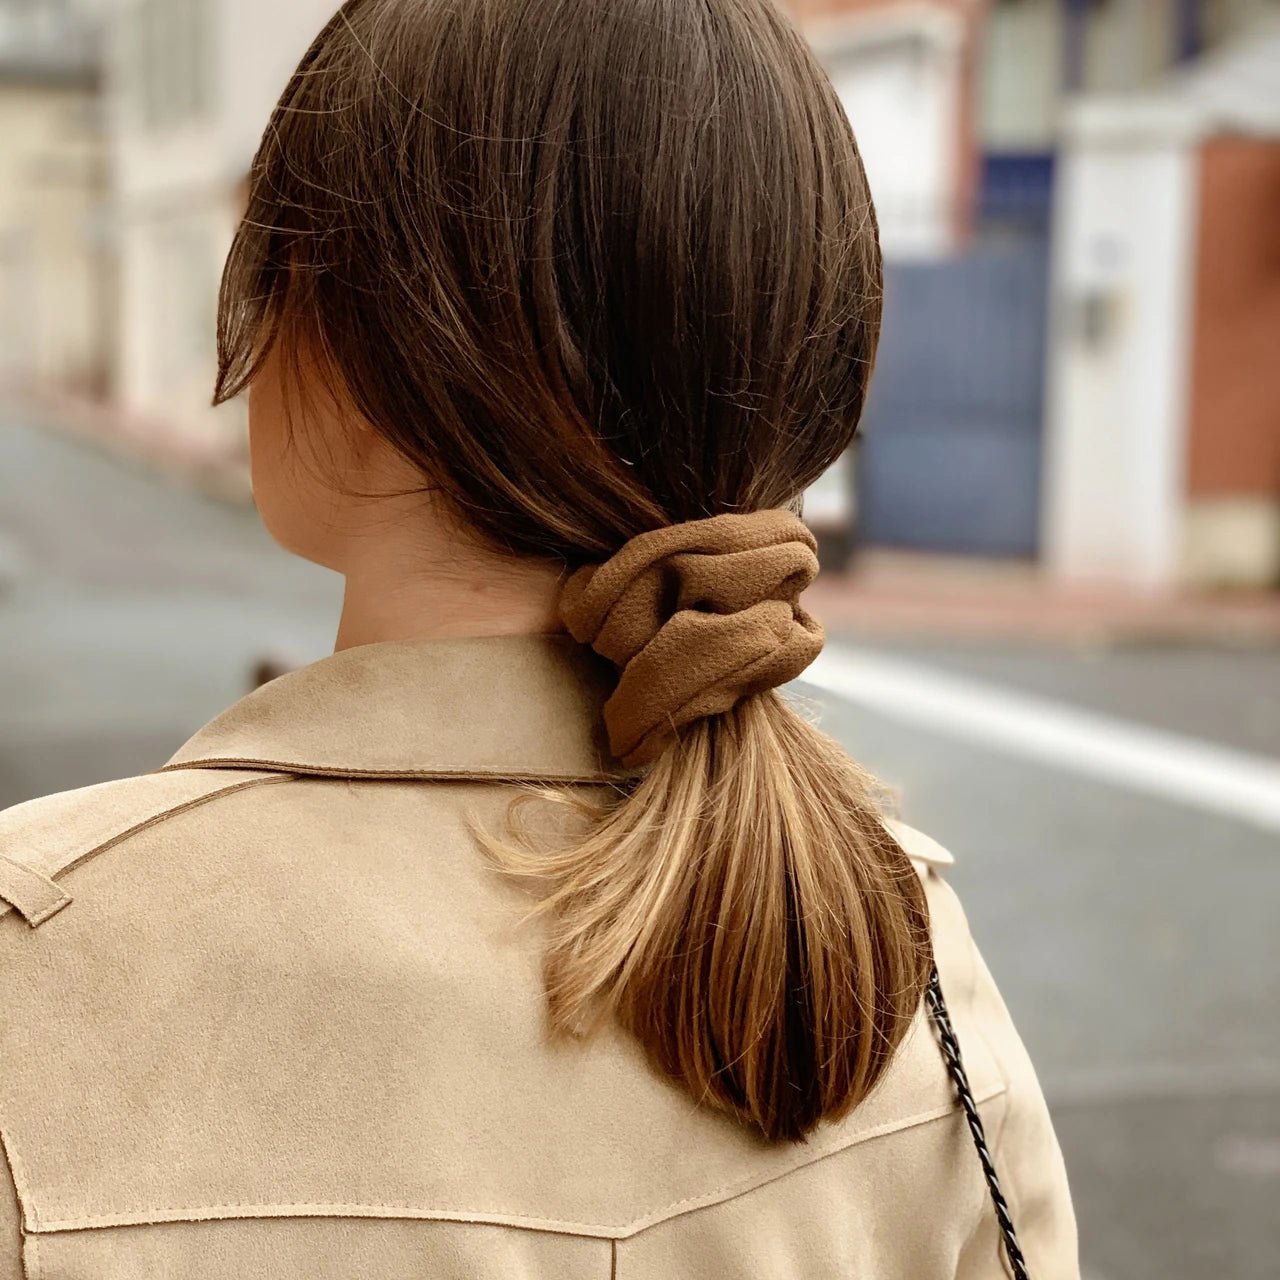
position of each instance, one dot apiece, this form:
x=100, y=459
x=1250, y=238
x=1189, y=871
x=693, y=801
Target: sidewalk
x=885, y=593
x=215, y=462
x=891, y=593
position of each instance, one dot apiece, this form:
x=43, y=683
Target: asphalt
x=1134, y=937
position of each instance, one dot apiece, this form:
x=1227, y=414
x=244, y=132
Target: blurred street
x=1133, y=935
x=1052, y=586
x=131, y=611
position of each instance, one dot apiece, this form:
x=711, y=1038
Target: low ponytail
x=740, y=907
x=600, y=271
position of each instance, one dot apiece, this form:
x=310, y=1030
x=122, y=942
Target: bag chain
x=955, y=1066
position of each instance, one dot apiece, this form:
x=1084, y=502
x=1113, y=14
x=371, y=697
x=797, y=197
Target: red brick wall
x=1234, y=445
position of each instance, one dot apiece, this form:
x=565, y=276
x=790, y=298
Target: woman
x=549, y=313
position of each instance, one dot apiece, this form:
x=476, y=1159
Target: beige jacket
x=269, y=1013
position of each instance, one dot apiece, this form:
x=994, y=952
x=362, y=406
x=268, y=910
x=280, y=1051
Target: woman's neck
x=400, y=591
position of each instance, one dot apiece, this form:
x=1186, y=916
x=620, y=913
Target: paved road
x=131, y=611
x=1136, y=943
x=1134, y=936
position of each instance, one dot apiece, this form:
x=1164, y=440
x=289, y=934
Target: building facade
x=1069, y=370
x=1164, y=411
x=905, y=71
x=189, y=85
x=1074, y=265
x=55, y=258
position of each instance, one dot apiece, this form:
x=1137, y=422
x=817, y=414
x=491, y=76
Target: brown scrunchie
x=697, y=616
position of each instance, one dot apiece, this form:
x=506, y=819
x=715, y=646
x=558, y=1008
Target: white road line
x=1187, y=770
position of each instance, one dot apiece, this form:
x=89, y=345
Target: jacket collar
x=505, y=708
x=511, y=707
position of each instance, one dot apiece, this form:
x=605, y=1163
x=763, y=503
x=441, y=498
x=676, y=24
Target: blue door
x=950, y=457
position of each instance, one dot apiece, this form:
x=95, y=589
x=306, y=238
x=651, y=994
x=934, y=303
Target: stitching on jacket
x=988, y=1213
x=28, y=1258
x=32, y=1221
x=985, y=1212
x=474, y=774
x=981, y=1221
x=743, y=1186
x=51, y=910
x=155, y=818
x=719, y=1195
x=982, y=1035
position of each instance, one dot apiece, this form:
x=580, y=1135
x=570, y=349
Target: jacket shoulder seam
x=72, y=856
x=997, y=1140
x=156, y=818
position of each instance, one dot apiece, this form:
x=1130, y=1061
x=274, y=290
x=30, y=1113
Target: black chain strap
x=955, y=1066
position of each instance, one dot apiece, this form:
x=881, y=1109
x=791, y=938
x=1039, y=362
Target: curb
x=961, y=601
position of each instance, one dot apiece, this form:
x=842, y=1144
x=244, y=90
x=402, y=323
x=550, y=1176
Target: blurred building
x=1164, y=415
x=54, y=255
x=1078, y=204
x=1016, y=411
x=906, y=72
x=190, y=84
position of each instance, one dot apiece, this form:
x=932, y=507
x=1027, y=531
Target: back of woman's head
x=598, y=268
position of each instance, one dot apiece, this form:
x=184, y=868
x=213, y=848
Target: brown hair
x=598, y=267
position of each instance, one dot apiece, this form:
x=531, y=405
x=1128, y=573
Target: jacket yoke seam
x=676, y=1208
x=32, y=1222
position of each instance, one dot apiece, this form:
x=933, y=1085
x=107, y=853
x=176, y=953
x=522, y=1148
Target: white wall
x=51, y=268
x=177, y=186
x=899, y=74
x=1117, y=395
x=262, y=44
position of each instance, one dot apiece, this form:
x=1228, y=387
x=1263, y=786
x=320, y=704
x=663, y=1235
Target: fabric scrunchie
x=697, y=616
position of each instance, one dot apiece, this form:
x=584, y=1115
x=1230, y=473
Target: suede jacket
x=270, y=1012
